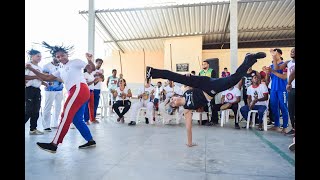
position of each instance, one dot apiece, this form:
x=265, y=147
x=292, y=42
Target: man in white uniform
x=53, y=93
x=32, y=92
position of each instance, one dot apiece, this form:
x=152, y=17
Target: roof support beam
x=250, y=41
x=225, y=30
x=173, y=6
x=200, y=34
x=109, y=34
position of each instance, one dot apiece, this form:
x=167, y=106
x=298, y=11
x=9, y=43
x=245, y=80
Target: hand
x=192, y=144
x=89, y=56
x=123, y=95
x=272, y=52
x=288, y=87
x=251, y=105
x=268, y=70
x=28, y=66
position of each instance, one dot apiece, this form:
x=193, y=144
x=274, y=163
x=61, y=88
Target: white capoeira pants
x=50, y=97
x=142, y=103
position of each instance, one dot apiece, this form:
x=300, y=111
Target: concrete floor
x=159, y=152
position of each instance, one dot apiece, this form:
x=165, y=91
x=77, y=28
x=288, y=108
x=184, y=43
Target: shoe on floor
x=236, y=126
x=47, y=129
x=292, y=147
x=96, y=122
x=122, y=120
x=47, y=147
x=147, y=120
x=291, y=132
x=260, y=127
x=35, y=132
x=131, y=123
x=88, y=145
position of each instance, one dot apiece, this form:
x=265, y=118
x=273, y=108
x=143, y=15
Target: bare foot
x=193, y=144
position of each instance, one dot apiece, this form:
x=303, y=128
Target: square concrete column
x=91, y=27
x=233, y=35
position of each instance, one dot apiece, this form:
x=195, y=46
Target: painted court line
x=275, y=148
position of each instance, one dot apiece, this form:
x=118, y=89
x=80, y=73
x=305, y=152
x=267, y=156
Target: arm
x=282, y=66
x=43, y=76
x=222, y=99
x=90, y=62
x=27, y=77
x=237, y=101
x=249, y=99
x=240, y=84
x=291, y=78
x=108, y=81
x=282, y=76
x=188, y=117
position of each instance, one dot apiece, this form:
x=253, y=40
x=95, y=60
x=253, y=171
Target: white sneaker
x=36, y=132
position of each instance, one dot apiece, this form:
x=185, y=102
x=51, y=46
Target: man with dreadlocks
x=73, y=110
x=32, y=92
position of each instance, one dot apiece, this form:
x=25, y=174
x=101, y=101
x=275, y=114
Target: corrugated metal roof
x=261, y=23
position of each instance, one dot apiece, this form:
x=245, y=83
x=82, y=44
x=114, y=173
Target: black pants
x=32, y=106
x=209, y=85
x=245, y=96
x=291, y=106
x=117, y=104
x=215, y=108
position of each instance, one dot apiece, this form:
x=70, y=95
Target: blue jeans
x=261, y=109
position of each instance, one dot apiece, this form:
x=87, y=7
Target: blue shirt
x=278, y=84
x=53, y=85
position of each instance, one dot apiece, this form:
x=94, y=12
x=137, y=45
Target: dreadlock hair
x=54, y=49
x=33, y=52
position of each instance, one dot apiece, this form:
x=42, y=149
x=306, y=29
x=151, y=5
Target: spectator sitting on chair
x=229, y=100
x=146, y=96
x=225, y=72
x=257, y=100
x=122, y=93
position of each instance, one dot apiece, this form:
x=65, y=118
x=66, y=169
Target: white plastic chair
x=142, y=109
x=264, y=119
x=176, y=116
x=225, y=116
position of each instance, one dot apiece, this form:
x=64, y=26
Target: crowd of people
x=271, y=91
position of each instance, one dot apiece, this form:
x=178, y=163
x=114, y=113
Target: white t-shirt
x=149, y=89
x=260, y=90
x=158, y=91
x=231, y=95
x=35, y=82
x=170, y=91
x=113, y=82
x=89, y=78
x=291, y=66
x=119, y=98
x=72, y=73
x=98, y=85
x=269, y=85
